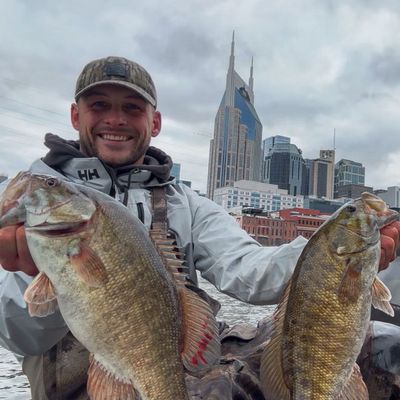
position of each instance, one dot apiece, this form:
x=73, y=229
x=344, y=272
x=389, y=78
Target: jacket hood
x=157, y=162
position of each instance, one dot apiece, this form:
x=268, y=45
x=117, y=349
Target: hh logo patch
x=88, y=174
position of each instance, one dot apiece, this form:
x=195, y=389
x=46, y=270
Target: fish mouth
x=375, y=205
x=58, y=230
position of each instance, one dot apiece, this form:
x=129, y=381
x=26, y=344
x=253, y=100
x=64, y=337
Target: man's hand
x=14, y=252
x=390, y=236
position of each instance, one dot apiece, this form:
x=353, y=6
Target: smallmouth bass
x=322, y=321
x=124, y=300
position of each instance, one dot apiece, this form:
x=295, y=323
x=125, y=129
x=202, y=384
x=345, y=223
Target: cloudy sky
x=319, y=66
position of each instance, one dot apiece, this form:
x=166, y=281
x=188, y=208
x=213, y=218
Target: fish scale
x=117, y=295
x=330, y=346
x=127, y=299
x=322, y=320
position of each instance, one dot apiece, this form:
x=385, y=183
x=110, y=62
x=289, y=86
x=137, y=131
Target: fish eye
x=51, y=182
x=351, y=209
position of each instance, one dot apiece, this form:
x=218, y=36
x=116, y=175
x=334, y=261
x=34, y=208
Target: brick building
x=266, y=230
x=307, y=221
x=282, y=226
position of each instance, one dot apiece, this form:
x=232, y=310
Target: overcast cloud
x=319, y=66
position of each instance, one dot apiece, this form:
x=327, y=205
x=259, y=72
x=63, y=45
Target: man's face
x=115, y=124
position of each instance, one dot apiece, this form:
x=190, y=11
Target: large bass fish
x=126, y=302
x=322, y=321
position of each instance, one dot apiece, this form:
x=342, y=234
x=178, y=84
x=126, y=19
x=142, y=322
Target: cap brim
x=128, y=85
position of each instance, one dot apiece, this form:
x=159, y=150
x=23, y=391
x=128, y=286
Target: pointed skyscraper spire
x=251, y=80
x=232, y=57
x=230, y=77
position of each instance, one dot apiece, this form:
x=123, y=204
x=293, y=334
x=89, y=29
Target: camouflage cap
x=116, y=71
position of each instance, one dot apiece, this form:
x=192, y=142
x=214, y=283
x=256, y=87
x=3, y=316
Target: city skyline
x=319, y=67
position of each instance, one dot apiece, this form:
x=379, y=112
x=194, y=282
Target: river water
x=14, y=385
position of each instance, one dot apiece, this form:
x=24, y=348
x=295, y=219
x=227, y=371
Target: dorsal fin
x=201, y=347
x=170, y=254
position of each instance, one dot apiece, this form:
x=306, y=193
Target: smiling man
x=115, y=125
x=116, y=120
x=115, y=113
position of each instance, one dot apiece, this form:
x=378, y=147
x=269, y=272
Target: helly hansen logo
x=88, y=174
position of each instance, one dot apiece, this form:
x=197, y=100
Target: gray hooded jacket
x=212, y=241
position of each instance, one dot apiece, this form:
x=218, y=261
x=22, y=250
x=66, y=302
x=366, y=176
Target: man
x=116, y=116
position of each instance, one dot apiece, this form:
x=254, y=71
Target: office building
x=321, y=175
x=391, y=196
x=285, y=167
x=352, y=191
x=347, y=173
x=235, y=150
x=267, y=145
x=250, y=194
x=325, y=206
x=271, y=141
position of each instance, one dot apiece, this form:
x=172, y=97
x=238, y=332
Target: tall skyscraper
x=285, y=167
x=267, y=145
x=271, y=141
x=235, y=150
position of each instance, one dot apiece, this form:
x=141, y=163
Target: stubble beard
x=88, y=147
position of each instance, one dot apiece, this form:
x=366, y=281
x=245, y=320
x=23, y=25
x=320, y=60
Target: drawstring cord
x=124, y=189
x=126, y=192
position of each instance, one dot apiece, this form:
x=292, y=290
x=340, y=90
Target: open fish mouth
x=64, y=229
x=377, y=206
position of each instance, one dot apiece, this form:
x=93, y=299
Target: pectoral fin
x=87, y=264
x=40, y=296
x=350, y=286
x=381, y=296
